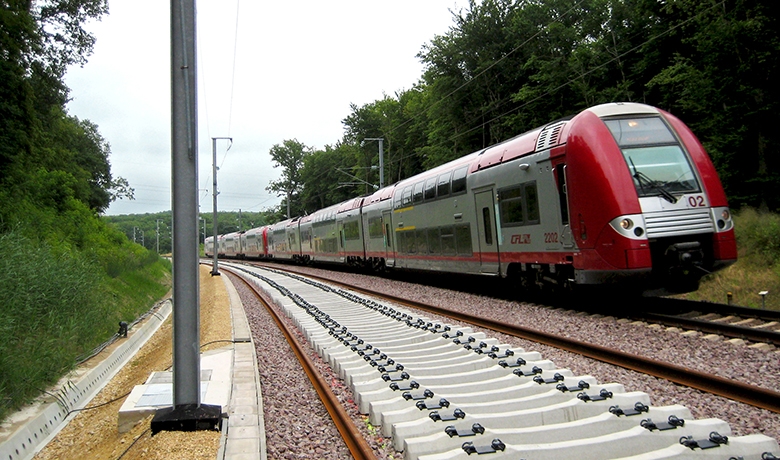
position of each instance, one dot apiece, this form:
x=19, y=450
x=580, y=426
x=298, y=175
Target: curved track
x=738, y=391
x=342, y=327
x=352, y=437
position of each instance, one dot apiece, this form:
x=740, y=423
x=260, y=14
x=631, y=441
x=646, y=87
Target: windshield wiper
x=653, y=184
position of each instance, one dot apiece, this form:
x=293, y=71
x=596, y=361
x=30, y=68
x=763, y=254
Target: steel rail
x=353, y=438
x=711, y=327
x=728, y=388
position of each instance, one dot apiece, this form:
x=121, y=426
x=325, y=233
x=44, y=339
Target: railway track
x=738, y=391
x=761, y=326
x=354, y=440
x=444, y=391
x=731, y=321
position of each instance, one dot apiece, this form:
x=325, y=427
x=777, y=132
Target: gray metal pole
x=184, y=164
x=214, y=267
x=381, y=163
x=381, y=141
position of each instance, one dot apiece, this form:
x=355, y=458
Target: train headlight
x=723, y=219
x=630, y=226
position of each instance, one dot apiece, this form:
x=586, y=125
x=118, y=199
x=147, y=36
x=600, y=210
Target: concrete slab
x=157, y=392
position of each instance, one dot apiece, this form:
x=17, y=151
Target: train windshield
x=654, y=157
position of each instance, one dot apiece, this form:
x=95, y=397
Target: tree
x=722, y=82
x=324, y=181
x=39, y=142
x=289, y=156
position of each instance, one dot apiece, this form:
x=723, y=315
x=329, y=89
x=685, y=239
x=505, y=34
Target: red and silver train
x=621, y=194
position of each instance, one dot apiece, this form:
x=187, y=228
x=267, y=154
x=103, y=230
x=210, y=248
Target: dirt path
x=93, y=434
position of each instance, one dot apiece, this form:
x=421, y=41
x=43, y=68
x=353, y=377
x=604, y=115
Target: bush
x=51, y=310
x=56, y=303
x=758, y=235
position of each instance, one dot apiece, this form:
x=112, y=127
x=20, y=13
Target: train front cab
x=647, y=209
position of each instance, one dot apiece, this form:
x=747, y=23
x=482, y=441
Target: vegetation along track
x=394, y=421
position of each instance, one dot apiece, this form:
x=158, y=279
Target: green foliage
x=758, y=236
x=507, y=66
x=290, y=155
x=758, y=267
x=56, y=305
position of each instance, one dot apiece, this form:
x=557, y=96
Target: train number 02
x=696, y=201
x=551, y=237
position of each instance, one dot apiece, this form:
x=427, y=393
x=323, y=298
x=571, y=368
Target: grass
x=56, y=304
x=758, y=267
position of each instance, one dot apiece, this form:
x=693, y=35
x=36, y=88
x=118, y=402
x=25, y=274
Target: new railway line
x=438, y=364
x=730, y=321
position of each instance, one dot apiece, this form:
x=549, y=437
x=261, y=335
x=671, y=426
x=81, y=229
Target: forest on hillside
x=502, y=68
x=507, y=66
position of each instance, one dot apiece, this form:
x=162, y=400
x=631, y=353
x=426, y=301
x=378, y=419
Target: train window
x=410, y=242
x=519, y=205
x=488, y=228
x=531, y=204
x=463, y=240
x=630, y=132
x=563, y=199
x=443, y=188
x=430, y=189
x=389, y=237
x=421, y=238
x=448, y=247
x=406, y=198
x=397, y=200
x=400, y=237
x=459, y=180
x=375, y=227
x=352, y=230
x=434, y=241
x=418, y=193
x=511, y=206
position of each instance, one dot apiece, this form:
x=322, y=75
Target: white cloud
x=298, y=66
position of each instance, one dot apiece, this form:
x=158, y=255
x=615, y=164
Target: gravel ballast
x=733, y=361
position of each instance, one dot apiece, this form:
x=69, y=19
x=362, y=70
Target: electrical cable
x=133, y=443
x=233, y=77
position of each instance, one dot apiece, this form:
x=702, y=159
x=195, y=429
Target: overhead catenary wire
x=233, y=76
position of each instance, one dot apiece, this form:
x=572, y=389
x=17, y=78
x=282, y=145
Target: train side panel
x=434, y=220
x=351, y=232
x=323, y=237
x=376, y=213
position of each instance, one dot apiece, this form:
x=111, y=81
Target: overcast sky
x=298, y=67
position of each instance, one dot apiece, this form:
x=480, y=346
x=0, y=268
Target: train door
x=342, y=241
x=486, y=230
x=566, y=238
x=387, y=229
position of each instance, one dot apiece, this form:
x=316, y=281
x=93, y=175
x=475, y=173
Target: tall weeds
x=57, y=303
